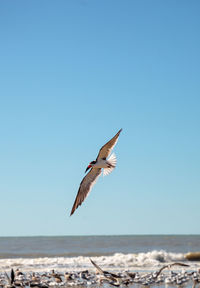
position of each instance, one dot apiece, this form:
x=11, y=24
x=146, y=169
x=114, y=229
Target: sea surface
x=72, y=253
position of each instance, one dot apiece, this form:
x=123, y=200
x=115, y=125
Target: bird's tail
x=112, y=161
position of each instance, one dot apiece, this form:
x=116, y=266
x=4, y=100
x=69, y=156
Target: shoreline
x=176, y=273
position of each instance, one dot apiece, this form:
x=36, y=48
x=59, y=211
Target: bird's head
x=90, y=165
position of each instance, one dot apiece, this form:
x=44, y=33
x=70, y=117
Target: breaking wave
x=120, y=261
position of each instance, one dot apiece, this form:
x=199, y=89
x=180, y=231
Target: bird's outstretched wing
x=170, y=265
x=107, y=148
x=108, y=275
x=86, y=185
x=97, y=267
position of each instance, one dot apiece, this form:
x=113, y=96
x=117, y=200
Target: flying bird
x=95, y=170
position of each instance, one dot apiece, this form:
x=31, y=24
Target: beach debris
x=193, y=256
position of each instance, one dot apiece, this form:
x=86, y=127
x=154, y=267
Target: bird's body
x=101, y=162
x=107, y=165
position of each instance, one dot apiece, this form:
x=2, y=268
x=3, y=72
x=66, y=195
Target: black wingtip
x=12, y=276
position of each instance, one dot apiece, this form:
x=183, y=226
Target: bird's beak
x=89, y=166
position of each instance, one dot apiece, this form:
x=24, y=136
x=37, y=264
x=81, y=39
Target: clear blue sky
x=72, y=74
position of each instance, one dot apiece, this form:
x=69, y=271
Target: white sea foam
x=120, y=261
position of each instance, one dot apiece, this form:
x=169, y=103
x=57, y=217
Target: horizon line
x=98, y=235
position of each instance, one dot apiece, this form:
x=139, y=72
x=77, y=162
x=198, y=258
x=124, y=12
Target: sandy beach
x=88, y=273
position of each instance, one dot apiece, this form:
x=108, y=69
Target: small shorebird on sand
x=101, y=162
x=56, y=276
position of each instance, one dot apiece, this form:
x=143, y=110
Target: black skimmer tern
x=101, y=162
x=168, y=266
x=11, y=279
x=114, y=279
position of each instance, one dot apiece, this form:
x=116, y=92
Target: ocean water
x=110, y=252
x=71, y=246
